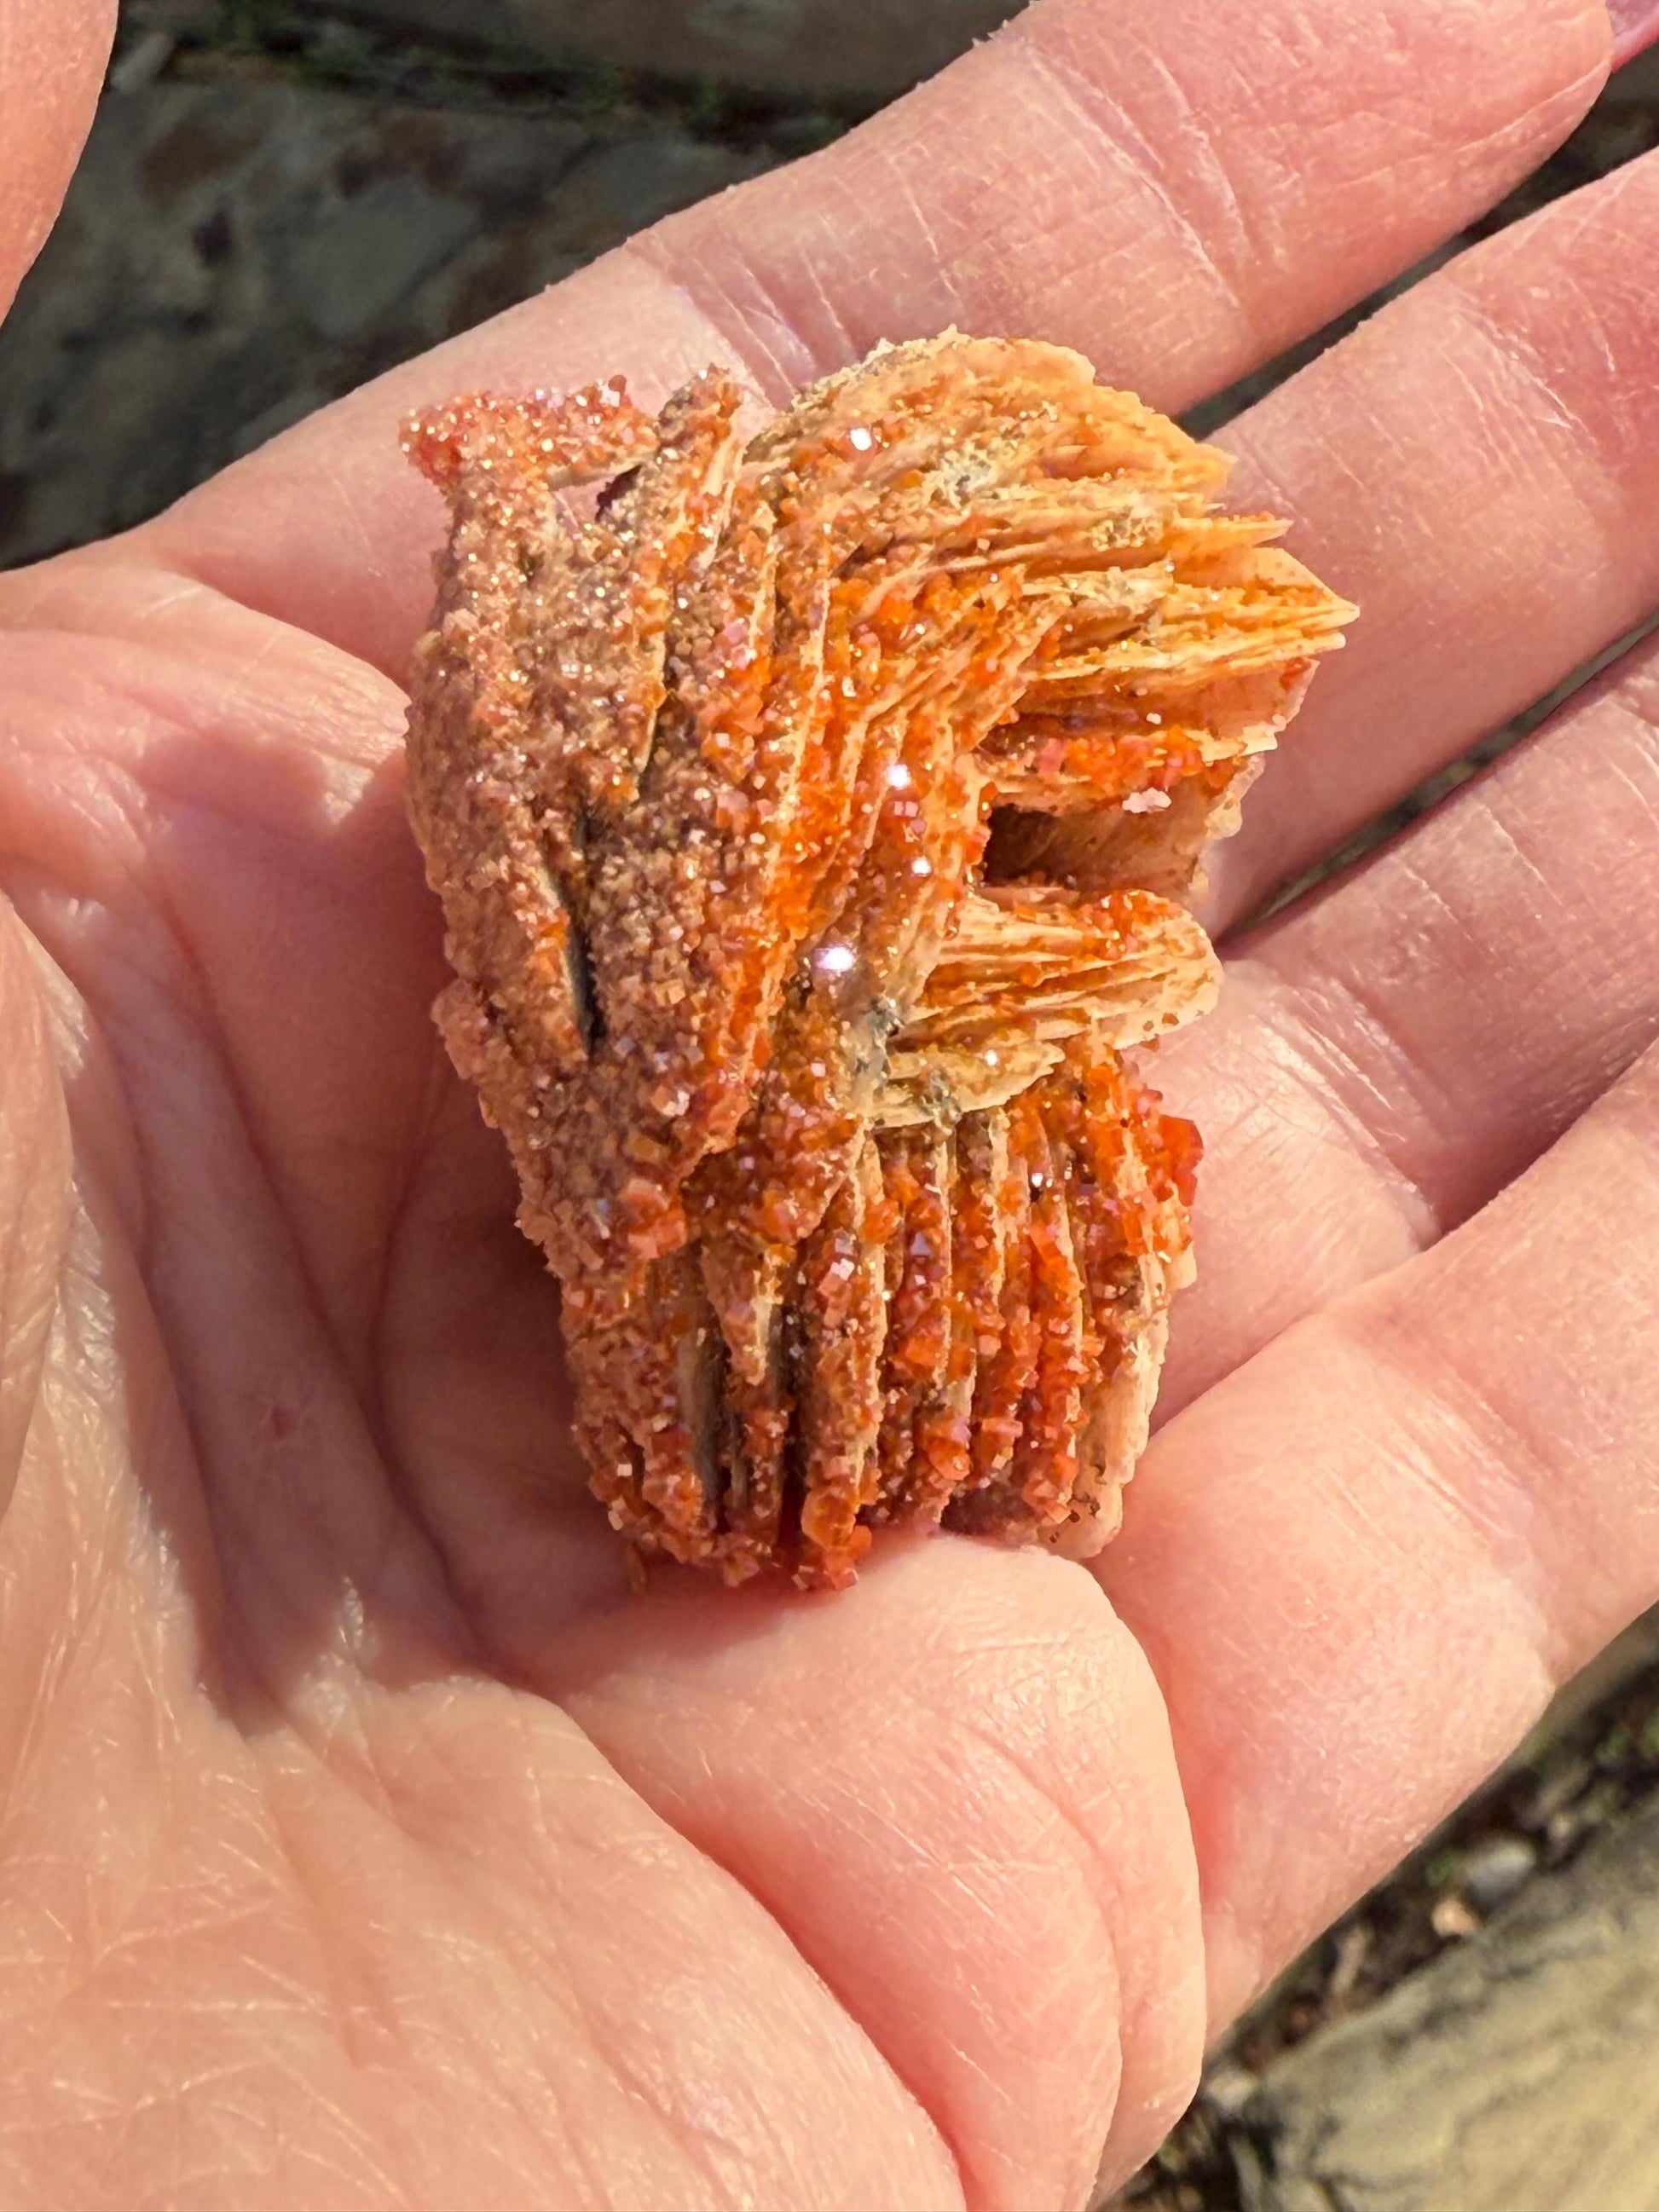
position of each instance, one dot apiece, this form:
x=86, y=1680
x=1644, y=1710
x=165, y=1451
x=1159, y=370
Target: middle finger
x=1478, y=467
x=1389, y=1053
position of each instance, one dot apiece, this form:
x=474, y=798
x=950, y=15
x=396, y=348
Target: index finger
x=1177, y=200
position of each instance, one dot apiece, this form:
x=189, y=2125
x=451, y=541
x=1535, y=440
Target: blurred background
x=282, y=198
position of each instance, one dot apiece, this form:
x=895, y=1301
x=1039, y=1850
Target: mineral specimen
x=815, y=814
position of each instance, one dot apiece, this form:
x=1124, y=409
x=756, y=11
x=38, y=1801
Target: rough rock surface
x=1319, y=2089
x=814, y=824
x=1516, y=2074
x=869, y=47
x=235, y=253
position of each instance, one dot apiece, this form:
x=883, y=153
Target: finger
x=51, y=60
x=1386, y=1057
x=34, y=1192
x=1479, y=468
x=1635, y=26
x=1361, y=1564
x=952, y=1786
x=1177, y=201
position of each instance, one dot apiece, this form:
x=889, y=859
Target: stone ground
x=1477, y=2035
x=260, y=224
x=280, y=200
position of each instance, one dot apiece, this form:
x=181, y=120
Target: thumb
x=52, y=54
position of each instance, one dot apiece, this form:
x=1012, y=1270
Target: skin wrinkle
x=81, y=1339
x=1250, y=1877
x=1331, y=1075
x=1233, y=241
x=1110, y=134
x=131, y=867
x=732, y=331
x=1422, y=1100
x=843, y=346
x=274, y=1224
x=27, y=871
x=1520, y=439
x=1446, y=898
x=196, y=1015
x=1544, y=407
x=1248, y=207
x=742, y=330
x=1495, y=145
x=1414, y=1092
x=1224, y=203
x=1573, y=505
x=223, y=1077
x=479, y=1886
x=1446, y=1402
x=1612, y=429
x=35, y=1169
x=627, y=2077
x=1646, y=725
x=211, y=1034
x=1105, y=1967
x=33, y=599
x=950, y=1875
x=150, y=675
x=439, y=1093
x=1517, y=1470
x=660, y=1703
x=779, y=1921
x=1533, y=1561
x=1534, y=872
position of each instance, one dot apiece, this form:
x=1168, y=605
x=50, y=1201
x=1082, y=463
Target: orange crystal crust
x=816, y=816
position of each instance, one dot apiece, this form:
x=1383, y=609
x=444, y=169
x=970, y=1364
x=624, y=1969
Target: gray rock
x=866, y=48
x=1516, y=2074
x=1492, y=1870
x=1229, y=2087
x=369, y=253
x=235, y=253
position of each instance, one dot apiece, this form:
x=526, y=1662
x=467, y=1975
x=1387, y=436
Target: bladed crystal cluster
x=815, y=811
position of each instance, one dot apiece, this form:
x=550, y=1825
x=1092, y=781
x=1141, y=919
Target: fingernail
x=1635, y=25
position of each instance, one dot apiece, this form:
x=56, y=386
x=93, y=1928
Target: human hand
x=366, y=1843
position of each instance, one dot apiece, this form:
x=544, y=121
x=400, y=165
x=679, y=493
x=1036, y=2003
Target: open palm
x=363, y=1842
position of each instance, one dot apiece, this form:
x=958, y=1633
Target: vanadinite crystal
x=815, y=817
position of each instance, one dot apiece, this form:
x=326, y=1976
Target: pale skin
x=364, y=1842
